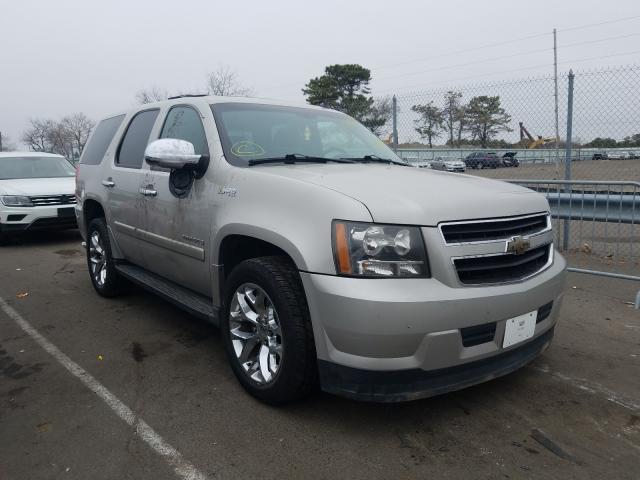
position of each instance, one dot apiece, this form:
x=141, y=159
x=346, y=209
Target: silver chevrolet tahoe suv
x=322, y=256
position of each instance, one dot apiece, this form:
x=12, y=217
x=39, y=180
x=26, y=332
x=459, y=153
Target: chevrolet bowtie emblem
x=518, y=245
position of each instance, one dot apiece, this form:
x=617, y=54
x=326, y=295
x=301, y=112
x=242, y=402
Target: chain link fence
x=593, y=186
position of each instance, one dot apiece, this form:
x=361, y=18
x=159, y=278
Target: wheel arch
x=237, y=243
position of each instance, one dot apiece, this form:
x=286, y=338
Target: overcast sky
x=61, y=57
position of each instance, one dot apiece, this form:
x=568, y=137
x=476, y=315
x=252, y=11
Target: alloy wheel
x=98, y=259
x=255, y=333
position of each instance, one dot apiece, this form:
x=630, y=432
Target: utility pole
x=395, y=124
x=0, y=141
x=555, y=94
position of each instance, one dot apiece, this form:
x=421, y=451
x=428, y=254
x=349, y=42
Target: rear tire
x=267, y=333
x=104, y=277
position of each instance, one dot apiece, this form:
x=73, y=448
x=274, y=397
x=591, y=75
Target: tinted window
x=100, y=140
x=184, y=123
x=131, y=153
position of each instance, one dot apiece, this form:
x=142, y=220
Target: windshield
x=251, y=132
x=35, y=167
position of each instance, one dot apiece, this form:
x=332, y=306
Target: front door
x=179, y=224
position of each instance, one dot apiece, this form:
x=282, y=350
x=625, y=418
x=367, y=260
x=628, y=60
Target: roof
x=211, y=99
x=28, y=154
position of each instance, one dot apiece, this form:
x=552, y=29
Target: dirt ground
x=574, y=413
x=583, y=170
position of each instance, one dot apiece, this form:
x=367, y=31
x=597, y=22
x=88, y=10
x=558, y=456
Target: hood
x=38, y=186
x=397, y=194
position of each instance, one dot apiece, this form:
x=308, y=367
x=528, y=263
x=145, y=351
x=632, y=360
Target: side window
x=184, y=123
x=100, y=140
x=131, y=152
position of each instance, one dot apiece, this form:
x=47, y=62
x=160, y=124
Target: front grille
x=544, y=312
x=45, y=200
x=501, y=268
x=478, y=334
x=482, y=231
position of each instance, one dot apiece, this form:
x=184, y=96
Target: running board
x=188, y=300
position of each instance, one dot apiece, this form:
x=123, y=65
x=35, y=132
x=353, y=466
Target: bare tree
x=67, y=137
x=38, y=136
x=150, y=95
x=60, y=140
x=77, y=128
x=6, y=145
x=224, y=82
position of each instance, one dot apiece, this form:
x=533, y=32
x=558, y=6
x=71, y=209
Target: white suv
x=36, y=192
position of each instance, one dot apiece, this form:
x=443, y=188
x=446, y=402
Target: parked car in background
x=448, y=165
x=622, y=155
x=482, y=160
x=600, y=156
x=509, y=159
x=417, y=162
x=36, y=193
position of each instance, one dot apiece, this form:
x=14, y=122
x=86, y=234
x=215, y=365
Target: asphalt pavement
x=94, y=388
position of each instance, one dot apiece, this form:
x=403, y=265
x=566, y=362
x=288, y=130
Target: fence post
x=395, y=124
x=567, y=160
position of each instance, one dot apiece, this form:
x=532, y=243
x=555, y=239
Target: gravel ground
x=573, y=413
x=582, y=170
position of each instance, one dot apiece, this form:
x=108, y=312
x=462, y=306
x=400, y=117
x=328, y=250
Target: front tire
x=267, y=331
x=104, y=277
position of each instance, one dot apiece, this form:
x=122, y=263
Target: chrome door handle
x=148, y=192
x=108, y=183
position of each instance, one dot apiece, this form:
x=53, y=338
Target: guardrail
x=600, y=218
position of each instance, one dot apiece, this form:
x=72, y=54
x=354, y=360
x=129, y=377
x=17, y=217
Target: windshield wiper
x=374, y=158
x=290, y=158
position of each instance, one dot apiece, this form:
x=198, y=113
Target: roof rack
x=187, y=95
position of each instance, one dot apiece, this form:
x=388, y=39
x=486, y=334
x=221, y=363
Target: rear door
x=122, y=183
x=180, y=226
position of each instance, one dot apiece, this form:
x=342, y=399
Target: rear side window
x=184, y=123
x=131, y=152
x=100, y=140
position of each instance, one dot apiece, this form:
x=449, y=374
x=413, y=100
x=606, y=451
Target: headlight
x=16, y=201
x=371, y=250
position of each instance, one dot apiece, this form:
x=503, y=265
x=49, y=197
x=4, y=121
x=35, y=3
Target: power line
x=606, y=22
x=456, y=52
x=532, y=67
x=466, y=63
x=501, y=57
x=587, y=42
x=496, y=44
x=506, y=42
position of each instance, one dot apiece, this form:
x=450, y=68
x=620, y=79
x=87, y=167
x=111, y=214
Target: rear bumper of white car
x=20, y=219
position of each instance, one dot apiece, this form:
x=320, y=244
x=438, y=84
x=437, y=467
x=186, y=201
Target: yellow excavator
x=527, y=140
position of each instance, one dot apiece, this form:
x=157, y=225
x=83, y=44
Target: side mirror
x=171, y=153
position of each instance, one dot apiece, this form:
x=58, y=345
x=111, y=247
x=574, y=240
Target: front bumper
x=405, y=385
x=401, y=328
x=20, y=219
